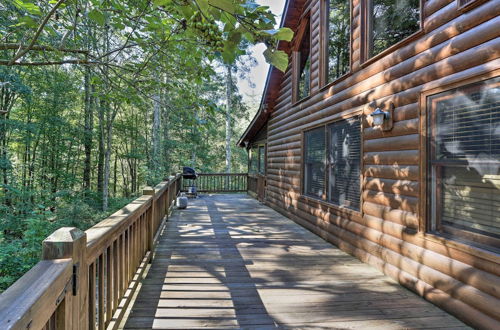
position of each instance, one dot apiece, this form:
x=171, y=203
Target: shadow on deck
x=230, y=262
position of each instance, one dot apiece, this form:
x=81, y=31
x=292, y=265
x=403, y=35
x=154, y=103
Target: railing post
x=65, y=243
x=150, y=191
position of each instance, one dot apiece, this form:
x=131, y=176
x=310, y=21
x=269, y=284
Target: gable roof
x=290, y=19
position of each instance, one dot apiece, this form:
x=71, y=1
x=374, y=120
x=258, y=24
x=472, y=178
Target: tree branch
x=23, y=51
x=85, y=62
x=8, y=46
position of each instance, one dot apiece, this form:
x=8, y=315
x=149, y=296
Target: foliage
x=219, y=25
x=78, y=142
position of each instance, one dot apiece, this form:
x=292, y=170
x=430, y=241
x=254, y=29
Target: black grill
x=189, y=173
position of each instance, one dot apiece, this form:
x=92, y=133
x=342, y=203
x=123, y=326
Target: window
x=332, y=158
x=302, y=61
x=388, y=22
x=464, y=155
x=338, y=36
x=262, y=160
x=254, y=161
x=344, y=155
x=314, y=162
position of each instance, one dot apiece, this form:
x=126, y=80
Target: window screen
x=390, y=21
x=262, y=160
x=465, y=158
x=314, y=162
x=344, y=157
x=338, y=37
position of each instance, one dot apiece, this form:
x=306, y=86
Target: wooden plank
x=229, y=262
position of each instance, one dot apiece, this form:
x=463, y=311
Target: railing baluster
x=100, y=283
x=92, y=304
x=110, y=286
x=127, y=258
x=115, y=265
x=123, y=269
x=132, y=251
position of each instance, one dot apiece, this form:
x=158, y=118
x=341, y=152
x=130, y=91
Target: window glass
x=262, y=160
x=254, y=161
x=304, y=83
x=314, y=162
x=344, y=155
x=465, y=159
x=338, y=37
x=391, y=21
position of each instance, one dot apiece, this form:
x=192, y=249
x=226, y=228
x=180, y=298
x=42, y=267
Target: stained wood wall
x=387, y=232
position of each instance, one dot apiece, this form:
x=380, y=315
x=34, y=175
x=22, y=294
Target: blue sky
x=258, y=74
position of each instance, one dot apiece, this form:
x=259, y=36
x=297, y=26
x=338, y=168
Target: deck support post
x=66, y=243
x=150, y=191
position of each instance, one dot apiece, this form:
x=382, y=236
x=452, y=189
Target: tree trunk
x=107, y=162
x=7, y=101
x=101, y=152
x=229, y=94
x=155, y=137
x=166, y=135
x=88, y=129
x=115, y=179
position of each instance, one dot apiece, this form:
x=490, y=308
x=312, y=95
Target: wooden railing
x=218, y=183
x=85, y=279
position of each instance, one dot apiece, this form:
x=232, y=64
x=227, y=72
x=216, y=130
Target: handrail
x=218, y=183
x=83, y=279
x=26, y=302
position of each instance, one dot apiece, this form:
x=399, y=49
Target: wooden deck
x=230, y=262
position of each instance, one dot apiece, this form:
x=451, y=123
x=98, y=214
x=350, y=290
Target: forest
x=99, y=98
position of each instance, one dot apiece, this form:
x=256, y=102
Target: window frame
x=471, y=242
x=304, y=24
x=324, y=200
x=257, y=147
x=324, y=33
x=366, y=26
x=466, y=5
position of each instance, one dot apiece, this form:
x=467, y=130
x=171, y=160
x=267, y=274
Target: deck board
x=229, y=262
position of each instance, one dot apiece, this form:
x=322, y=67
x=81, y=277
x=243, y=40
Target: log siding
x=453, y=46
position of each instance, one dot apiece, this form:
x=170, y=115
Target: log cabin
x=383, y=138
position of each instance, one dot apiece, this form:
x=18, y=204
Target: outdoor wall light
x=382, y=118
x=379, y=116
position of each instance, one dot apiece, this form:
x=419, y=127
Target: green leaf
x=203, y=4
x=280, y=34
x=28, y=6
x=226, y=5
x=26, y=21
x=277, y=58
x=159, y=3
x=97, y=16
x=234, y=37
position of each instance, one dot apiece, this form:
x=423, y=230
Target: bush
x=22, y=232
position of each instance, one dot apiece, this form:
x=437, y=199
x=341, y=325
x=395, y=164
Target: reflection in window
x=391, y=21
x=262, y=160
x=465, y=159
x=344, y=158
x=314, y=162
x=254, y=161
x=338, y=35
x=304, y=58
